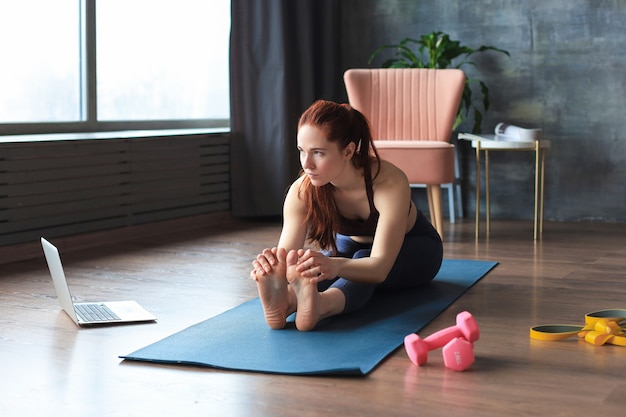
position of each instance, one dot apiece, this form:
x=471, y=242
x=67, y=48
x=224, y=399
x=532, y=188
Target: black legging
x=417, y=264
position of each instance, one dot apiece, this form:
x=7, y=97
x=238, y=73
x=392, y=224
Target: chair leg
x=451, y=200
x=431, y=209
x=458, y=197
x=434, y=204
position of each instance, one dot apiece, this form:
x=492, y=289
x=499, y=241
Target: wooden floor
x=49, y=367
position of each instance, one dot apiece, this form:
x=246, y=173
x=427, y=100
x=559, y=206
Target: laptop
x=91, y=313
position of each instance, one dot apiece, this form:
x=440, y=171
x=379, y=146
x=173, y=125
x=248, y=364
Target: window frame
x=89, y=99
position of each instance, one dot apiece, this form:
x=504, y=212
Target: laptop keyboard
x=94, y=312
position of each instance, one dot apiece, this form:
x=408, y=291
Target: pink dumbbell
x=458, y=354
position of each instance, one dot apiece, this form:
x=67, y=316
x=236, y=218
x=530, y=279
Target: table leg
x=487, y=195
x=537, y=193
x=477, y=190
x=543, y=170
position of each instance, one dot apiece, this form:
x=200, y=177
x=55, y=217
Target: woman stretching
x=357, y=210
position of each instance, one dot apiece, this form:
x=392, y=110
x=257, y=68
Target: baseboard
x=32, y=250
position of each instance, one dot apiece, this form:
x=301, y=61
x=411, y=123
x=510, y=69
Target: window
x=157, y=64
x=40, y=77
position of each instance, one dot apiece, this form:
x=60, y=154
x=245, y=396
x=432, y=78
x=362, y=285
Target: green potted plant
x=437, y=50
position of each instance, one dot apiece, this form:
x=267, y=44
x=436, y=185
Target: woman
x=357, y=209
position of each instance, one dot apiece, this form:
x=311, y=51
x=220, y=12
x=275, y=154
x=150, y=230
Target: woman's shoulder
x=294, y=191
x=386, y=171
x=297, y=184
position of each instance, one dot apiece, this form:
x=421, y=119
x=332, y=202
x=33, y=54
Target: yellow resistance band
x=600, y=327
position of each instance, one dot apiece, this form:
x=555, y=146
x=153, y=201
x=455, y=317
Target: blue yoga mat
x=351, y=344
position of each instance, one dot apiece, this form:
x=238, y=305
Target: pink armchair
x=412, y=113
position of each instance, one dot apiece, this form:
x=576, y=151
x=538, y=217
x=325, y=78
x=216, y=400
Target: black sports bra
x=357, y=227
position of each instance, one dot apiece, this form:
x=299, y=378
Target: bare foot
x=274, y=293
x=309, y=310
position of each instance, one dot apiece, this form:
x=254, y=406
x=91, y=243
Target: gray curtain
x=283, y=56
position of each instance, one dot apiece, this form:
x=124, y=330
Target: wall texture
x=566, y=75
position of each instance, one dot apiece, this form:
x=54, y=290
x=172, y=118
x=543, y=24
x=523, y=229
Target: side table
x=488, y=143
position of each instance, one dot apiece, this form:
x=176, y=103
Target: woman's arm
x=293, y=234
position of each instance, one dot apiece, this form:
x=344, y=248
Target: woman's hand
x=315, y=265
x=264, y=263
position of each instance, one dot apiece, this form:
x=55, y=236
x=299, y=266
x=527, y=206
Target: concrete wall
x=566, y=74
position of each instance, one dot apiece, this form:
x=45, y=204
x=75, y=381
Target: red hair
x=342, y=125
